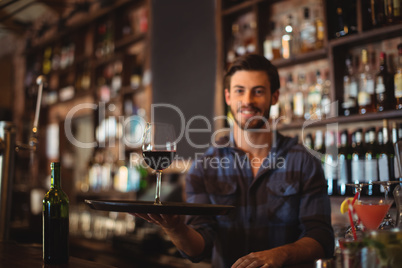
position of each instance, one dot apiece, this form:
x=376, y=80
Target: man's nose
x=248, y=98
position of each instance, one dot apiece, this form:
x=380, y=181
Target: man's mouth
x=248, y=111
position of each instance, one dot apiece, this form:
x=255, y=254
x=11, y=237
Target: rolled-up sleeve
x=205, y=225
x=315, y=209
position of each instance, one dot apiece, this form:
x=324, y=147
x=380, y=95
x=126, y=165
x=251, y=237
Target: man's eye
x=239, y=91
x=259, y=92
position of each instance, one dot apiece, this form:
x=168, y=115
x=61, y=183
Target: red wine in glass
x=158, y=160
x=158, y=150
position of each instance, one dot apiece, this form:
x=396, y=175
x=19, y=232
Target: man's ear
x=227, y=96
x=275, y=97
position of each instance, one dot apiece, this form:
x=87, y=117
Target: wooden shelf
x=395, y=114
x=129, y=40
x=301, y=58
x=241, y=6
x=69, y=28
x=374, y=35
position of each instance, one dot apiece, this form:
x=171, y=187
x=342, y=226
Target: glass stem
x=158, y=188
x=386, y=191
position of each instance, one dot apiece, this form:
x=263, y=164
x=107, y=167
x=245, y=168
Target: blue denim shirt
x=286, y=201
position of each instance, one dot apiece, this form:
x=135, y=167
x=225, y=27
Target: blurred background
x=110, y=66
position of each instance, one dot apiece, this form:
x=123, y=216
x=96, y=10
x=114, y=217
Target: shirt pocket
x=283, y=200
x=221, y=191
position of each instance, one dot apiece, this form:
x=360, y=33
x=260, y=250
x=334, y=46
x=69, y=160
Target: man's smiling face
x=250, y=98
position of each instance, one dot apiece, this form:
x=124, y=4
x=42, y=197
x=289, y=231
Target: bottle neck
x=55, y=177
x=400, y=58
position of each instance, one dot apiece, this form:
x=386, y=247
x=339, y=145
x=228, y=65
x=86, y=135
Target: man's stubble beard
x=248, y=123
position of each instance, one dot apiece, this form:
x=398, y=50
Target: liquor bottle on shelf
x=371, y=162
x=398, y=80
x=55, y=221
x=358, y=157
x=377, y=13
x=392, y=11
x=350, y=89
x=307, y=32
x=272, y=43
x=346, y=18
x=319, y=144
x=344, y=161
x=395, y=138
x=366, y=96
x=319, y=28
x=308, y=141
x=325, y=98
x=386, y=155
x=288, y=104
x=330, y=162
x=288, y=39
x=314, y=98
x=298, y=98
x=397, y=11
x=384, y=86
x=47, y=60
x=341, y=26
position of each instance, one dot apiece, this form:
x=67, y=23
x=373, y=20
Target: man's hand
x=304, y=250
x=184, y=237
x=167, y=222
x=273, y=258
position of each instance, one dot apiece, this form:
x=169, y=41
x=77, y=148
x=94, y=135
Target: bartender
x=282, y=210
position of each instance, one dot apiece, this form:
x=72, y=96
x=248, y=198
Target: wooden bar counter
x=13, y=255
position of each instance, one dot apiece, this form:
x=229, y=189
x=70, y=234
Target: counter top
x=30, y=255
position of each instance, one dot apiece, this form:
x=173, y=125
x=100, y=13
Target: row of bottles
x=374, y=14
x=306, y=98
x=58, y=57
x=359, y=156
x=106, y=173
x=299, y=31
x=368, y=89
x=382, y=12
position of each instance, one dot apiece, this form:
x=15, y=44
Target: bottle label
x=358, y=170
x=396, y=169
x=268, y=53
x=320, y=30
x=398, y=85
x=383, y=168
x=298, y=104
x=364, y=98
x=307, y=36
x=353, y=89
x=274, y=111
x=397, y=5
x=342, y=170
x=330, y=168
x=380, y=85
x=326, y=106
x=370, y=170
x=370, y=87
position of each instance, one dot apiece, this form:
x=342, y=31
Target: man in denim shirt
x=282, y=213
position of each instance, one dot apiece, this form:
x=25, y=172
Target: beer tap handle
x=33, y=140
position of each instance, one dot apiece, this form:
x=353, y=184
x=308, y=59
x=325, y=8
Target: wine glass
x=158, y=150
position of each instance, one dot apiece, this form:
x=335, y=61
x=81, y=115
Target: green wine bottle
x=55, y=222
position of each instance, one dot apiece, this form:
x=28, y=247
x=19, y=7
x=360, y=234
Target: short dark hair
x=254, y=62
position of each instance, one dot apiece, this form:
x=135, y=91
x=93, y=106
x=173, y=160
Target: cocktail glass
x=358, y=231
x=371, y=212
x=388, y=222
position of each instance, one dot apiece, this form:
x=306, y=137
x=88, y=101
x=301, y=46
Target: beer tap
x=33, y=140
